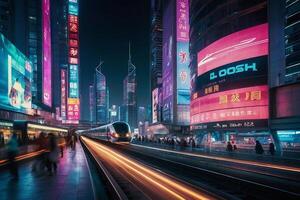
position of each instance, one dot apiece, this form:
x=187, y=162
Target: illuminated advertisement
x=168, y=62
x=47, y=75
x=182, y=62
x=73, y=109
x=231, y=89
x=15, y=78
x=155, y=105
x=63, y=106
x=73, y=106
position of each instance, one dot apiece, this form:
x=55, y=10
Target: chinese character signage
x=15, y=78
x=73, y=106
x=155, y=106
x=231, y=87
x=182, y=18
x=47, y=65
x=63, y=106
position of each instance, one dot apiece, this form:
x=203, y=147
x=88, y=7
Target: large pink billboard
x=248, y=43
x=47, y=75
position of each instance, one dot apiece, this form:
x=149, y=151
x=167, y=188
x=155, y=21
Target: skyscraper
x=176, y=73
x=101, y=96
x=156, y=59
x=129, y=93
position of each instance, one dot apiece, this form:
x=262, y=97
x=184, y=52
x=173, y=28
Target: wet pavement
x=72, y=180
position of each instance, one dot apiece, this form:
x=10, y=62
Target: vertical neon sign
x=182, y=61
x=47, y=73
x=73, y=107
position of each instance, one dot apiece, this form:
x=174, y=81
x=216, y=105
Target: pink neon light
x=212, y=102
x=248, y=43
x=182, y=19
x=246, y=113
x=47, y=76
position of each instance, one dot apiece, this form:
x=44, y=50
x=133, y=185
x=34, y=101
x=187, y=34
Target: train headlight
x=116, y=135
x=127, y=135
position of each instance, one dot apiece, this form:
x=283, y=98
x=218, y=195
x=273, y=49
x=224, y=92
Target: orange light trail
x=163, y=185
x=259, y=164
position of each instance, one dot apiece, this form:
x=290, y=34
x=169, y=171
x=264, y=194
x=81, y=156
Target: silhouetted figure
x=53, y=154
x=12, y=151
x=193, y=143
x=42, y=145
x=229, y=147
x=272, y=148
x=258, y=148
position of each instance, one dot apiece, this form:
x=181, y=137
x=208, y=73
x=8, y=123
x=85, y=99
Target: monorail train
x=114, y=132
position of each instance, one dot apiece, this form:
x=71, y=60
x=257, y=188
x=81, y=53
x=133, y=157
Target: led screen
x=183, y=74
x=64, y=93
x=47, y=76
x=169, y=55
x=73, y=109
x=231, y=87
x=154, y=105
x=15, y=78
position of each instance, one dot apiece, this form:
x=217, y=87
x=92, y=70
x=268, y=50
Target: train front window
x=121, y=127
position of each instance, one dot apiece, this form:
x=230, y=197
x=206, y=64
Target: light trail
x=160, y=183
x=258, y=164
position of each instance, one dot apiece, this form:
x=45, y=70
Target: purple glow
x=182, y=20
x=47, y=84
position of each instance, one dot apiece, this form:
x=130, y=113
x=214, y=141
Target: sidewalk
x=72, y=180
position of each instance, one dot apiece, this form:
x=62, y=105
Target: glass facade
x=292, y=39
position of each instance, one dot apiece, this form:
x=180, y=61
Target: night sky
x=106, y=26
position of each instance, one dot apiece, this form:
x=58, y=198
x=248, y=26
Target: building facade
x=129, y=94
x=101, y=96
x=156, y=58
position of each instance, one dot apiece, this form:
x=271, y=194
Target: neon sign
x=233, y=70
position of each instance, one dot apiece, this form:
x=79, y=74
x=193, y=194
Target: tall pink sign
x=47, y=60
x=182, y=20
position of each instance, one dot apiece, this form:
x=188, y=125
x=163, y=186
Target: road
x=167, y=174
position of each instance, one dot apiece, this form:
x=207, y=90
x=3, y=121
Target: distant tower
x=129, y=95
x=101, y=96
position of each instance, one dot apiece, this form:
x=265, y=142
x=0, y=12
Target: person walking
x=272, y=148
x=53, y=154
x=229, y=147
x=12, y=151
x=258, y=148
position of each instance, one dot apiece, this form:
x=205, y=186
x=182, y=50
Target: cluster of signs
x=73, y=103
x=231, y=86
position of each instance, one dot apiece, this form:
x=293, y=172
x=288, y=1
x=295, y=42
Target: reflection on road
x=151, y=182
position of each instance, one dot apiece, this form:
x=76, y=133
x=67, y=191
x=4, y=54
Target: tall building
x=284, y=73
x=229, y=70
x=129, y=94
x=176, y=73
x=92, y=103
x=7, y=19
x=101, y=96
x=142, y=114
x=113, y=114
x=156, y=58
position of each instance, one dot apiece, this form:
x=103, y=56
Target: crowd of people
x=183, y=142
x=53, y=147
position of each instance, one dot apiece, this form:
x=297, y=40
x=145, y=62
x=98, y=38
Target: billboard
x=155, y=105
x=15, y=78
x=169, y=54
x=231, y=88
x=73, y=106
x=73, y=109
x=47, y=56
x=182, y=62
x=64, y=92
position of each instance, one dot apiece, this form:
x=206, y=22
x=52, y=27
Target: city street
x=149, y=99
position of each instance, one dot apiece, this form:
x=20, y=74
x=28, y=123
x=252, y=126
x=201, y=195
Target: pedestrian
x=229, y=147
x=258, y=148
x=272, y=148
x=193, y=143
x=53, y=154
x=42, y=145
x=12, y=151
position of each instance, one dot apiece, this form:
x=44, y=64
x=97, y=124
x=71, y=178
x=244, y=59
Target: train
x=114, y=132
